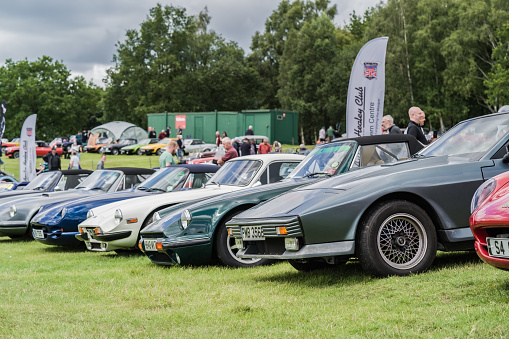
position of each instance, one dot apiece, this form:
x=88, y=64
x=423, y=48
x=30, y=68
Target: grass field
x=50, y=292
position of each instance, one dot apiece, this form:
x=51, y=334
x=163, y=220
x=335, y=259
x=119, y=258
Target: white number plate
x=150, y=244
x=39, y=234
x=252, y=233
x=498, y=247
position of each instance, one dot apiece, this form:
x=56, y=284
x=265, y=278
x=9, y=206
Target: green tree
x=44, y=87
x=174, y=64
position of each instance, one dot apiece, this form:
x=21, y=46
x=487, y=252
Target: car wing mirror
x=258, y=183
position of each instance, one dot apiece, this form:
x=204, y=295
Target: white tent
x=120, y=130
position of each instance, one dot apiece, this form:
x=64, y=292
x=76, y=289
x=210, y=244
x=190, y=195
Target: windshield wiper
x=39, y=188
x=97, y=188
x=142, y=188
x=213, y=182
x=317, y=173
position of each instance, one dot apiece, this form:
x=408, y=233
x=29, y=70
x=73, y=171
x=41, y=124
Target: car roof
x=413, y=143
x=132, y=170
x=270, y=157
x=199, y=168
x=76, y=171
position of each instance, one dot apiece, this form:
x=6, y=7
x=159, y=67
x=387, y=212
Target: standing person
x=167, y=157
x=250, y=131
x=417, y=118
x=231, y=152
x=224, y=134
x=218, y=139
x=162, y=135
x=84, y=137
x=252, y=143
x=151, y=133
x=277, y=147
x=321, y=134
x=76, y=147
x=100, y=164
x=245, y=148
x=75, y=161
x=264, y=147
x=388, y=126
x=180, y=150
x=330, y=133
x=235, y=145
x=79, y=138
x=53, y=160
x=168, y=131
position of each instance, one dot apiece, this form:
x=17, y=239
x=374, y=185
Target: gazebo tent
x=120, y=130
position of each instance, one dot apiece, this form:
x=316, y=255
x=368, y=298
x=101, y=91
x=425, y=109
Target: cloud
x=83, y=33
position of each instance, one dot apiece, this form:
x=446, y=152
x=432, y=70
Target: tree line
x=449, y=57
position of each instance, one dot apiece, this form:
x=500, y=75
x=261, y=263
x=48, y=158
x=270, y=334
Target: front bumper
x=196, y=251
x=482, y=252
x=13, y=228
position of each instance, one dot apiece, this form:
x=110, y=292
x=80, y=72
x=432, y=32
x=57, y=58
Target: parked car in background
x=196, y=234
x=16, y=214
x=57, y=224
x=490, y=221
x=7, y=182
x=392, y=217
x=117, y=225
x=48, y=182
x=6, y=143
x=135, y=149
x=197, y=145
x=95, y=146
x=114, y=149
x=157, y=148
x=41, y=149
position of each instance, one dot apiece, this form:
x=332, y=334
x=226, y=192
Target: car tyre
x=226, y=249
x=397, y=237
x=114, y=151
x=159, y=151
x=15, y=155
x=138, y=151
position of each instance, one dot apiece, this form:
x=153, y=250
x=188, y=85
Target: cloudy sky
x=83, y=33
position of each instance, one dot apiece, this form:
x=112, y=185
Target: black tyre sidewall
x=224, y=255
x=367, y=244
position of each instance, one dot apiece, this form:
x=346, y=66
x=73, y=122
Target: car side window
x=263, y=177
x=369, y=155
x=501, y=152
x=279, y=170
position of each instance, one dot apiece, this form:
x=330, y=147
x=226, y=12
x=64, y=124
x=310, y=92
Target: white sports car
x=117, y=226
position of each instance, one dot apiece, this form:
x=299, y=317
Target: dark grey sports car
x=393, y=217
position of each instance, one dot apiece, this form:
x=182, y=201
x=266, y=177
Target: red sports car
x=490, y=221
x=41, y=149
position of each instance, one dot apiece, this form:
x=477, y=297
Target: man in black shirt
x=53, y=160
x=245, y=147
x=417, y=118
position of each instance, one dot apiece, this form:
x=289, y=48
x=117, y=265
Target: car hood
x=78, y=208
x=376, y=178
x=166, y=198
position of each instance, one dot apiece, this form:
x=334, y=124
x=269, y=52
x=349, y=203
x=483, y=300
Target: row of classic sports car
x=371, y=198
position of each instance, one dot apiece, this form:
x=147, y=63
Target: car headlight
x=185, y=218
x=64, y=211
x=12, y=211
x=118, y=216
x=482, y=193
x=90, y=214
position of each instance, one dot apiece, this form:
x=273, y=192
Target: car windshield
x=144, y=142
x=470, y=139
x=236, y=173
x=323, y=160
x=43, y=181
x=165, y=179
x=99, y=180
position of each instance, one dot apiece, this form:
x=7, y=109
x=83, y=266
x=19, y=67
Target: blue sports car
x=57, y=224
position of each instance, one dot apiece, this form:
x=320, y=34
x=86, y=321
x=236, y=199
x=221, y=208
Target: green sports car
x=196, y=233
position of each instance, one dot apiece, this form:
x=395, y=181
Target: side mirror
x=258, y=183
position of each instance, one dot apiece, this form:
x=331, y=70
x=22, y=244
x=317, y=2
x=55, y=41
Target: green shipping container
x=274, y=124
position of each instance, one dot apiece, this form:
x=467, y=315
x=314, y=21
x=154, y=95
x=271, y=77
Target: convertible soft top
x=132, y=170
x=414, y=145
